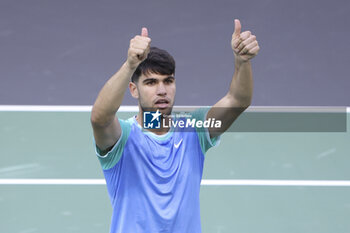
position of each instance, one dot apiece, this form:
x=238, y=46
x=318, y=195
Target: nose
x=161, y=90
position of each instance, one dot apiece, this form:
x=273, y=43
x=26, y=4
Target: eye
x=151, y=82
x=169, y=81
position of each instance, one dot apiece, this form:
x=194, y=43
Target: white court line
x=205, y=182
x=134, y=108
x=44, y=108
x=278, y=182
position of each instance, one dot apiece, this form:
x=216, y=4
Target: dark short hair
x=158, y=61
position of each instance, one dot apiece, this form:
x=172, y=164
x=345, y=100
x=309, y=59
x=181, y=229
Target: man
x=153, y=175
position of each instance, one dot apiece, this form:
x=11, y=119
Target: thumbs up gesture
x=244, y=45
x=138, y=49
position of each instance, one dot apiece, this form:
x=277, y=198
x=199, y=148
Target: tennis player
x=153, y=175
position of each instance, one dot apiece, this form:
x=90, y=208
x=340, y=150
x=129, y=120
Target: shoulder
x=111, y=157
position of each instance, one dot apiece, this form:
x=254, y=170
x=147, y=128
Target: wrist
x=239, y=61
x=129, y=67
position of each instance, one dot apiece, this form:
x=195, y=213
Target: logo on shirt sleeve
x=151, y=120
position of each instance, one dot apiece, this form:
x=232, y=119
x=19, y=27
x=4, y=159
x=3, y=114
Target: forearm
x=111, y=96
x=245, y=47
x=241, y=88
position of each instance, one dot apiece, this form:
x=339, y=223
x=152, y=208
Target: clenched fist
x=138, y=49
x=244, y=45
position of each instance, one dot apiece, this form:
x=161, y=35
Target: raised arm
x=238, y=98
x=104, y=122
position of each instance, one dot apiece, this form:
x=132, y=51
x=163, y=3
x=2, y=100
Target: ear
x=133, y=90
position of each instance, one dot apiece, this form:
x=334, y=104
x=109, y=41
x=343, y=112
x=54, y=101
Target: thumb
x=144, y=32
x=238, y=27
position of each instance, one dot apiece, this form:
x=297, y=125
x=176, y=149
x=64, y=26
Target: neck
x=162, y=130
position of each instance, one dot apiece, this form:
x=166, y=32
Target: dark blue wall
x=62, y=52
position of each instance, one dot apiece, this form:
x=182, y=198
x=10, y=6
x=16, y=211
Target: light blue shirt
x=154, y=181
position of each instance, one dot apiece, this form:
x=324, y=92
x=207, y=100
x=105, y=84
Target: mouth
x=162, y=103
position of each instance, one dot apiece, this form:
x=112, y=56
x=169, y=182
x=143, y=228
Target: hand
x=138, y=49
x=244, y=45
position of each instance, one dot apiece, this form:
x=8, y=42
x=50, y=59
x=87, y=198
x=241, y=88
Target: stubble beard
x=144, y=108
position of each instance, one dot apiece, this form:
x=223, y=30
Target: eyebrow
x=170, y=77
x=149, y=80
x=154, y=79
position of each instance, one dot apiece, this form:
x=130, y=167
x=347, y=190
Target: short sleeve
x=111, y=158
x=203, y=133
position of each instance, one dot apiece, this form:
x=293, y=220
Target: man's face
x=156, y=91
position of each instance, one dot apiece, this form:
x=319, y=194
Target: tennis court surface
x=266, y=182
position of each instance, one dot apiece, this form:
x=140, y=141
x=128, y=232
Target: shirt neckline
x=153, y=135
